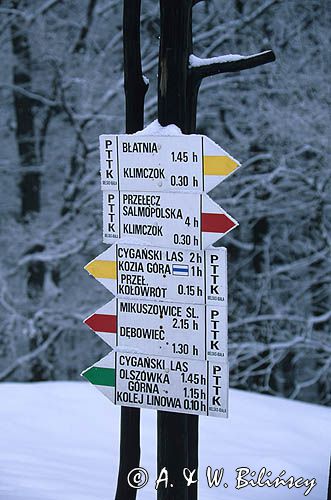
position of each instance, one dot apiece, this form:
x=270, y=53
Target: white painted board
x=182, y=163
x=160, y=383
x=160, y=274
x=190, y=331
x=188, y=220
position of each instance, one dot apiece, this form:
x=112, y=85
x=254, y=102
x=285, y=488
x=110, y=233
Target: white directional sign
x=159, y=383
x=149, y=273
x=191, y=163
x=192, y=331
x=189, y=220
x=167, y=324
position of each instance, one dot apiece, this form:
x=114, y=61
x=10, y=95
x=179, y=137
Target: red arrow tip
x=216, y=223
x=102, y=323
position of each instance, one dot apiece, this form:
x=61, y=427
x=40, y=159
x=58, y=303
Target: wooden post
x=135, y=85
x=175, y=19
x=178, y=88
x=135, y=89
x=176, y=433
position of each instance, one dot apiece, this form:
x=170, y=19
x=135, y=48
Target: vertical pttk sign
x=167, y=325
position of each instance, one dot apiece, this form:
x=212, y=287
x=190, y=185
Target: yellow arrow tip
x=219, y=165
x=89, y=267
x=103, y=269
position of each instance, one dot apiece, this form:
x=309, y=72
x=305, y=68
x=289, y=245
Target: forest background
x=61, y=85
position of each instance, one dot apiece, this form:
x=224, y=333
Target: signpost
x=190, y=331
x=168, y=322
x=162, y=219
x=161, y=383
x=135, y=87
x=138, y=272
x=181, y=163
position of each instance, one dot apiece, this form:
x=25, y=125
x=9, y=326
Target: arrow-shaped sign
x=191, y=163
x=187, y=221
x=191, y=331
x=159, y=383
x=160, y=274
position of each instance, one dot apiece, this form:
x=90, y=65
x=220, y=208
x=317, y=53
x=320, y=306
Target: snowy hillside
x=59, y=441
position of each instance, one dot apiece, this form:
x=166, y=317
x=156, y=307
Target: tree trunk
x=25, y=131
x=27, y=151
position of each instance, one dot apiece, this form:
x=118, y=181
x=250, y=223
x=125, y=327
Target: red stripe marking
x=216, y=223
x=102, y=323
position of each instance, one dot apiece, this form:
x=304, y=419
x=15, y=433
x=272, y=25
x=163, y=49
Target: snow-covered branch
x=34, y=96
x=202, y=68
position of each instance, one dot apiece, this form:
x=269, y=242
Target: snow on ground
x=59, y=441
